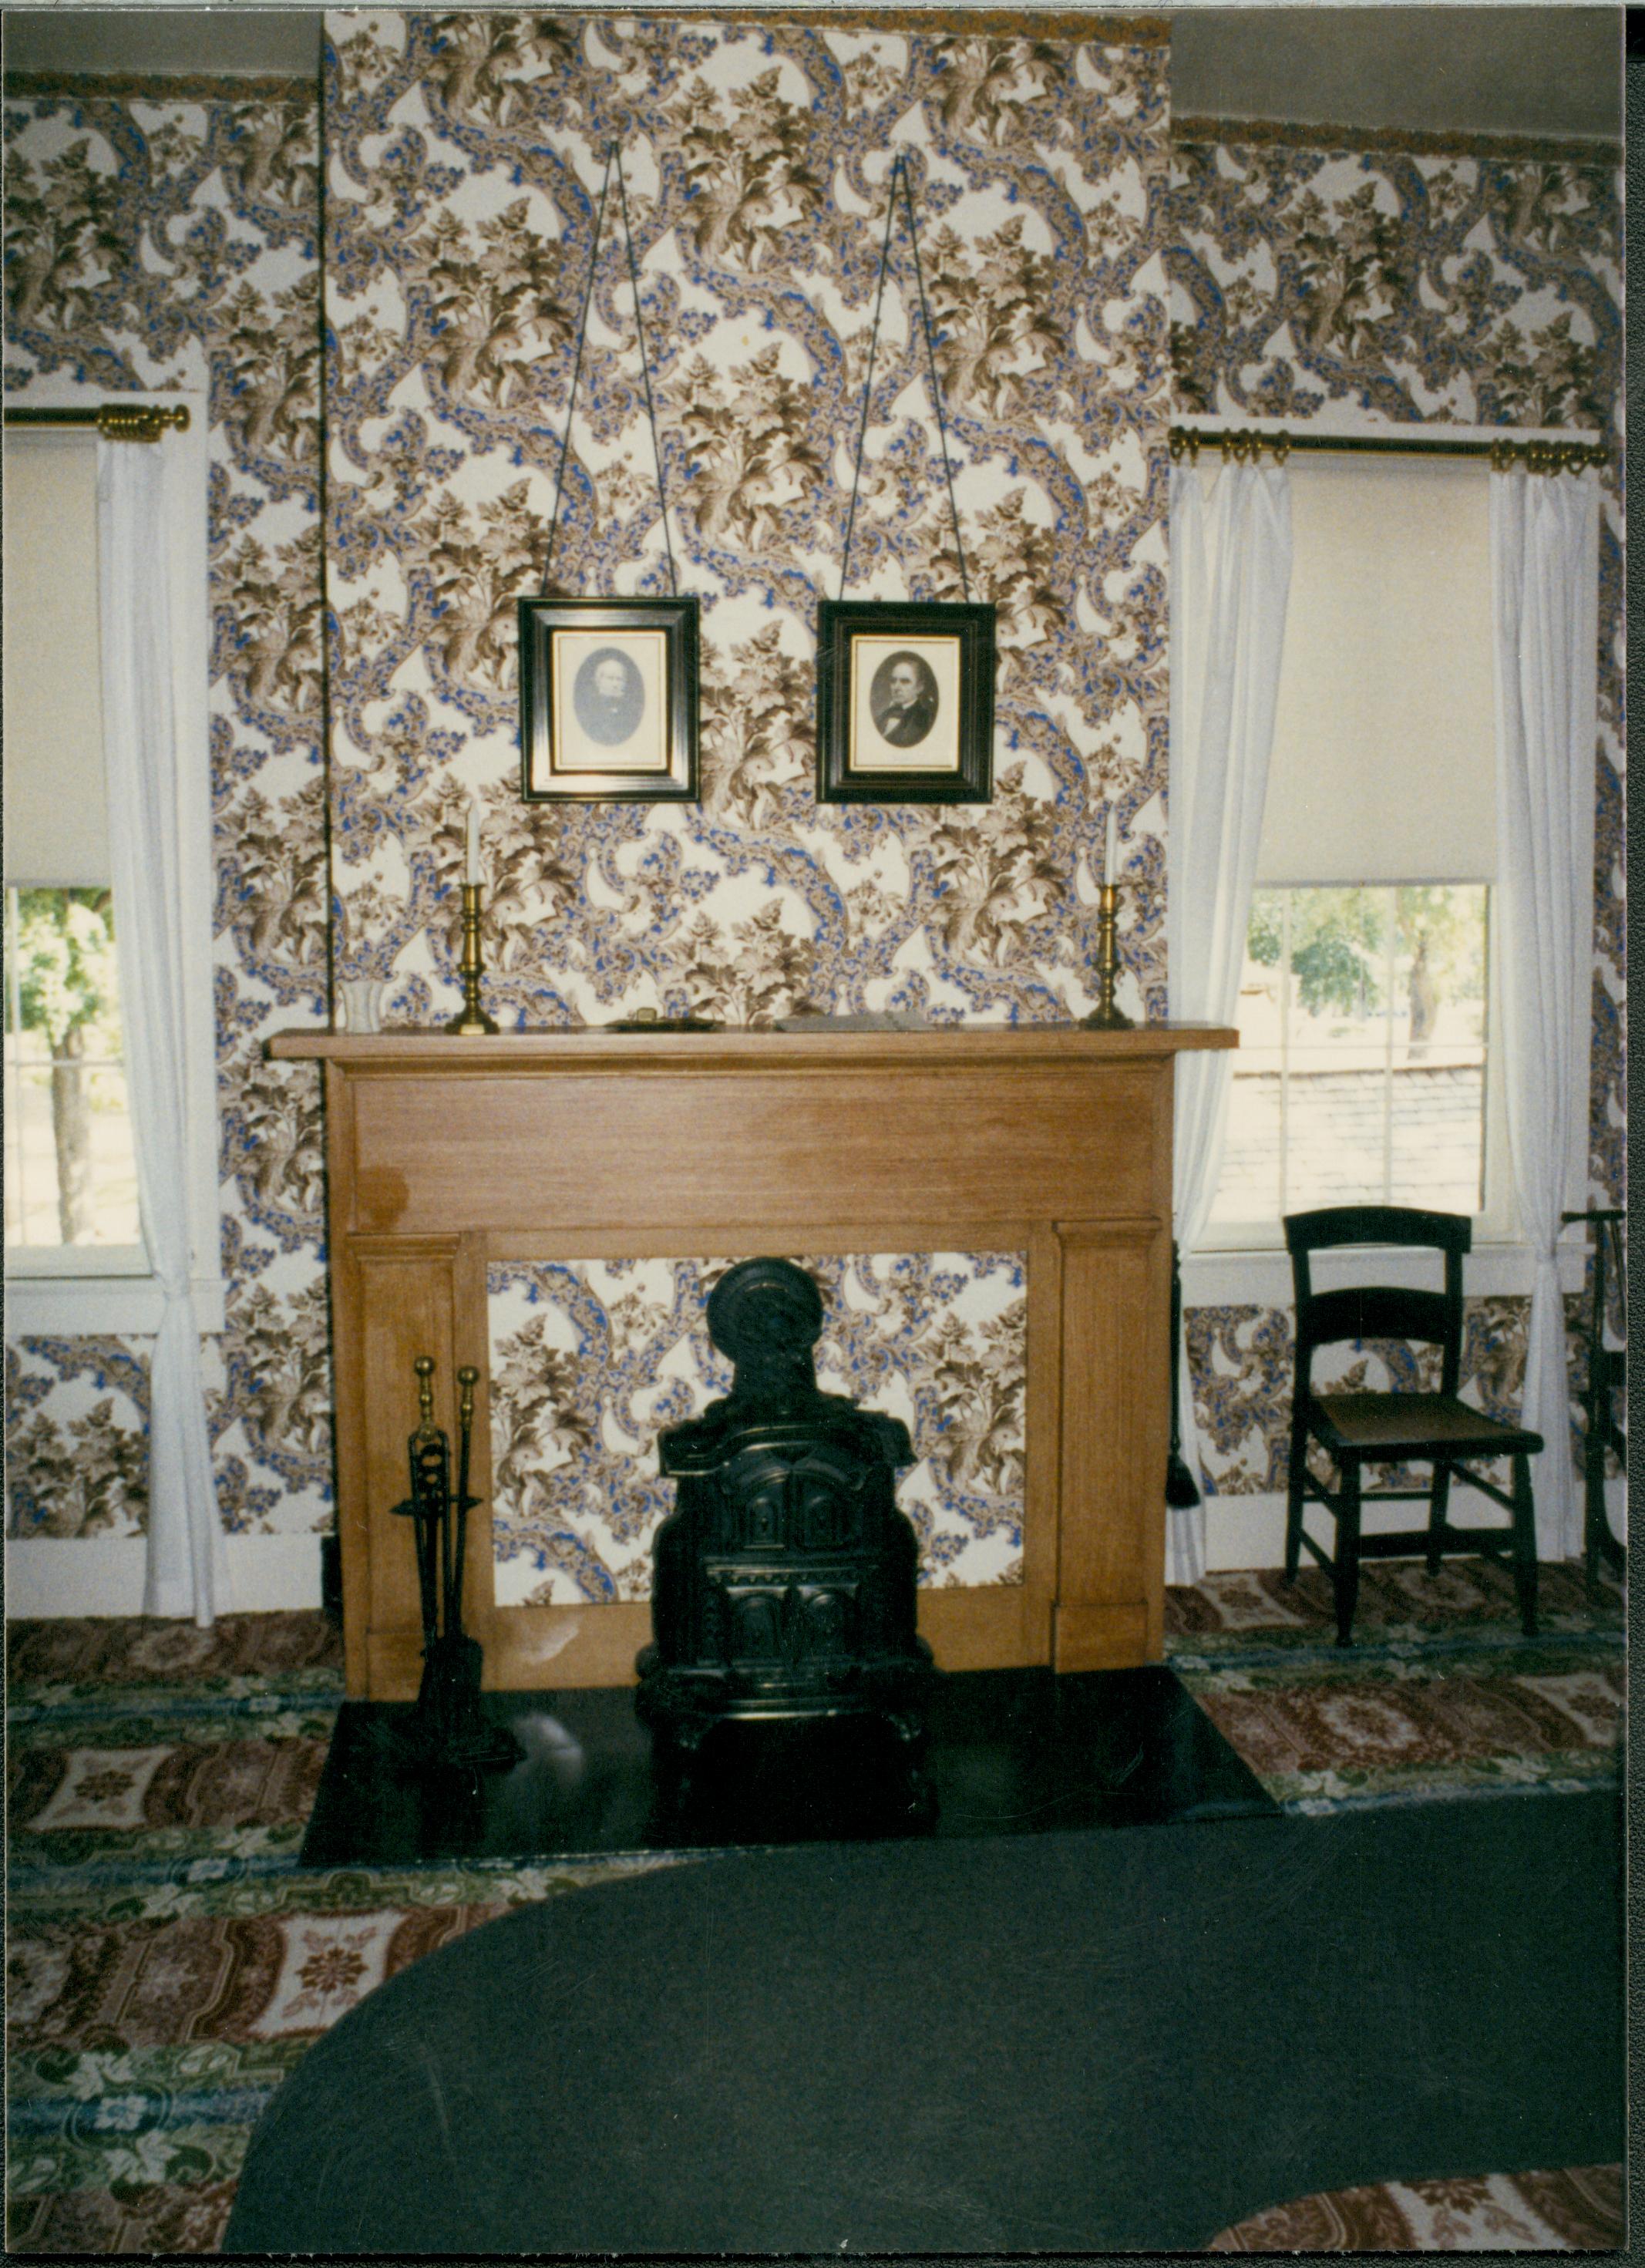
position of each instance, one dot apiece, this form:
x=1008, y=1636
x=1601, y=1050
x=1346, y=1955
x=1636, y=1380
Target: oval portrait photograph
x=902, y=699
x=608, y=695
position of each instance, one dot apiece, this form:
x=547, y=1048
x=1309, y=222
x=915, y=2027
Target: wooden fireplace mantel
x=446, y=1154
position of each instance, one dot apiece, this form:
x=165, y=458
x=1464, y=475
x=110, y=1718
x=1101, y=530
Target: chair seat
x=1394, y=1425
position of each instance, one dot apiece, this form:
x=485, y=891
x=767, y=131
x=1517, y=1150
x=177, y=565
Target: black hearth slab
x=1009, y=1752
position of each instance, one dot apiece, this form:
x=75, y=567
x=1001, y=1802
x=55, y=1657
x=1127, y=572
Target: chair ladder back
x=1379, y=1311
x=1329, y=1226
x=1612, y=1237
x=1382, y=1311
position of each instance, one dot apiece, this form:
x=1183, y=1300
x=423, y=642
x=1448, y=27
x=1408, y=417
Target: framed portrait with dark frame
x=608, y=700
x=905, y=703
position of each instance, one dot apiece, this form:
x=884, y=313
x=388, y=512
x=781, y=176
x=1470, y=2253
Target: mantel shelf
x=582, y=1048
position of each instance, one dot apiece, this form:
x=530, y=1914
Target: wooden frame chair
x=1357, y=1429
x=1606, y=1375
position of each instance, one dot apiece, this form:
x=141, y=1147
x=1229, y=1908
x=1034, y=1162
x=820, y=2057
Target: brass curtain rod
x=1504, y=451
x=115, y=420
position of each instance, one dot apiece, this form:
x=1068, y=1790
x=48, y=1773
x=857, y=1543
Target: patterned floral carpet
x=1576, y=2210
x=168, y=1960
x=1440, y=1694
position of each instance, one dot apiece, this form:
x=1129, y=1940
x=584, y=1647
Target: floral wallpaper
x=590, y=1359
x=466, y=156
x=77, y=1421
x=159, y=244
x=1086, y=281
x=1244, y=1359
x=162, y=242
x=1466, y=289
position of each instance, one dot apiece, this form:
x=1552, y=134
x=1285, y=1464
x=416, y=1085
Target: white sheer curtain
x=186, y=1559
x=1545, y=581
x=1231, y=571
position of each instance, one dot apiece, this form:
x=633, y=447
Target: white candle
x=1108, y=855
x=472, y=875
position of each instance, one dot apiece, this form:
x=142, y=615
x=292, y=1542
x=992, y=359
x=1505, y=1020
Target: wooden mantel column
x=446, y=1154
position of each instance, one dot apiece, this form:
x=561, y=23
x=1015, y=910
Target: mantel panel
x=442, y=1152
x=685, y=1150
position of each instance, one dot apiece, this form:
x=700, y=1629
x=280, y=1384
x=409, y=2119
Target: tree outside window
x=1361, y=1070
x=69, y=1149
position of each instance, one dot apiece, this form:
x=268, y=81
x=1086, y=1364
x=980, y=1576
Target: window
x=1363, y=1051
x=71, y=1173
x=1366, y=1071
x=75, y=1255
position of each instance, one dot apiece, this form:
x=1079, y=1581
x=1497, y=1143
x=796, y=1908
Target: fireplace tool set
x=447, y=1730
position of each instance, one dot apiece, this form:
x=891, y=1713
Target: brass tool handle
x=424, y=1368
x=468, y=1379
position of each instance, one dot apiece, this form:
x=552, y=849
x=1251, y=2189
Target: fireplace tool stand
x=447, y=1731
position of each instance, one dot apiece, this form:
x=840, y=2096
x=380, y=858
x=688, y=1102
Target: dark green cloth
x=1110, y=2041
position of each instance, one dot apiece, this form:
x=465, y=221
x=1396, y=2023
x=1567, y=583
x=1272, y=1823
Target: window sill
x=1263, y=1279
x=85, y=1306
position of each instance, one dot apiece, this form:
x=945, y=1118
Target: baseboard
x=1249, y=1531
x=50, y=1575
x=1244, y=1531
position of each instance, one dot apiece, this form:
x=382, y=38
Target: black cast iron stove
x=784, y=1583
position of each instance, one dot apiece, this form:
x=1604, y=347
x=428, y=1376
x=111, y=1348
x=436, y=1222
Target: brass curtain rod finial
x=115, y=420
x=1545, y=456
x=1505, y=450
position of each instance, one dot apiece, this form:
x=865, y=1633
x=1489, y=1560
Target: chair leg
x=1525, y=1545
x=1293, y=1506
x=1439, y=1499
x=1596, y=1526
x=1348, y=1551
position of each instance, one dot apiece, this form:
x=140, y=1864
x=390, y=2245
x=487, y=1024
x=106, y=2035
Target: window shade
x=1384, y=763
x=57, y=813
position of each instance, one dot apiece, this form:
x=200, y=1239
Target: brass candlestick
x=1105, y=1017
x=473, y=1019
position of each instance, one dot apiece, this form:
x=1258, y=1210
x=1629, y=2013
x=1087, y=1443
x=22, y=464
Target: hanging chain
x=613, y=157
x=899, y=172
x=936, y=392
x=868, y=384
x=645, y=368
x=576, y=366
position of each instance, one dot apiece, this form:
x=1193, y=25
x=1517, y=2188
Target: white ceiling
x=1547, y=69
x=204, y=40
x=1544, y=71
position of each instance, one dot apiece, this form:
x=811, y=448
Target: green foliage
x=1340, y=946
x=1441, y=925
x=66, y=974
x=1337, y=946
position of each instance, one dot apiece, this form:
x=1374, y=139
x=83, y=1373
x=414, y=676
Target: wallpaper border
x=162, y=86
x=1105, y=26
x=1333, y=138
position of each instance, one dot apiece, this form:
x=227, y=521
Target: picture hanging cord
x=899, y=172
x=613, y=156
